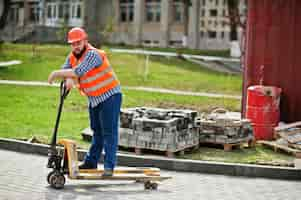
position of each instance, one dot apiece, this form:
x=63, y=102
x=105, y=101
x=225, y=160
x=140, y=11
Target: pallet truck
x=64, y=161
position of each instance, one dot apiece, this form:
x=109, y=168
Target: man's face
x=78, y=46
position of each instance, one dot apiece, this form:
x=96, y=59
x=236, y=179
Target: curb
x=182, y=165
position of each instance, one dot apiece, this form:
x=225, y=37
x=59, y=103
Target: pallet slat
x=276, y=147
x=230, y=146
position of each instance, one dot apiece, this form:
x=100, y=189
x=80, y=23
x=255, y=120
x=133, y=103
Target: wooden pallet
x=226, y=147
x=230, y=146
x=278, y=147
x=167, y=153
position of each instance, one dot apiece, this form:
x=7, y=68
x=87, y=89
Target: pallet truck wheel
x=48, y=176
x=57, y=180
x=147, y=185
x=154, y=186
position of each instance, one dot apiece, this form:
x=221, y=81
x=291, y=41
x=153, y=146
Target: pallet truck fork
x=65, y=162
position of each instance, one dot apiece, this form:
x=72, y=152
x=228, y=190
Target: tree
x=4, y=8
x=235, y=21
x=61, y=33
x=234, y=18
x=108, y=30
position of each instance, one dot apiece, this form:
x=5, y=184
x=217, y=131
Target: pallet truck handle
x=63, y=94
x=63, y=90
x=54, y=159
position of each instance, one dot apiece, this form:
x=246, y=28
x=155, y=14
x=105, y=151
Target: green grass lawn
x=162, y=72
x=31, y=111
x=256, y=155
x=28, y=111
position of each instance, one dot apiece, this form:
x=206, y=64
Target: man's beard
x=79, y=55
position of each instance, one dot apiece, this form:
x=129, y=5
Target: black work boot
x=107, y=173
x=87, y=166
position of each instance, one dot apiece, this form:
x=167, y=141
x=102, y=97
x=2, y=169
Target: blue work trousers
x=104, y=121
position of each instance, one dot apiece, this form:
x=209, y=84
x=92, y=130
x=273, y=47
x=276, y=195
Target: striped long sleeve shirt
x=90, y=61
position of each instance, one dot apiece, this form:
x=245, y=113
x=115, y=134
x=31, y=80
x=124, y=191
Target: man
x=90, y=68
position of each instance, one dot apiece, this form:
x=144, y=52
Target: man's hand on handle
x=67, y=74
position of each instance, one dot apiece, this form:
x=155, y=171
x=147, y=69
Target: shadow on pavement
x=99, y=190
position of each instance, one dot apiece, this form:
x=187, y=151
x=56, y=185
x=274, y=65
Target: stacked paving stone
x=224, y=128
x=158, y=129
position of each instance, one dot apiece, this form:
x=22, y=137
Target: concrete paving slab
x=23, y=176
x=182, y=165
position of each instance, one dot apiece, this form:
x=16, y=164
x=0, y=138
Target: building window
x=224, y=23
x=202, y=34
x=175, y=43
x=215, y=23
x=178, y=10
x=60, y=13
x=73, y=7
x=213, y=13
x=48, y=11
x=76, y=10
x=14, y=14
x=126, y=10
x=54, y=11
x=63, y=12
x=204, y=2
x=212, y=34
x=51, y=11
x=202, y=23
x=203, y=12
x=153, y=10
x=222, y=34
x=34, y=13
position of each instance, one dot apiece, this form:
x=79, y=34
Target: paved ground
x=23, y=176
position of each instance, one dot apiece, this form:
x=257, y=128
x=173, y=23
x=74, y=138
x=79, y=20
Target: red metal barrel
x=263, y=110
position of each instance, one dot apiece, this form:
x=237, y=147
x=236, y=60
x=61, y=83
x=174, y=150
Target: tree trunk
x=234, y=18
x=4, y=7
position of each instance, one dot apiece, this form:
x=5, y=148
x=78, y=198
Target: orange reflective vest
x=98, y=80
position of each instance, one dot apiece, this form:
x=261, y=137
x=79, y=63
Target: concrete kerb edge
x=170, y=164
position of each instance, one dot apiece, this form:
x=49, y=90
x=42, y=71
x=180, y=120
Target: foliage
x=61, y=33
x=108, y=30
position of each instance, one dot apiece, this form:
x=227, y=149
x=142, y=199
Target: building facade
x=214, y=23
x=162, y=23
x=200, y=24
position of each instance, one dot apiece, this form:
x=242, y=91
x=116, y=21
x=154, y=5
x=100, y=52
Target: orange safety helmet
x=76, y=34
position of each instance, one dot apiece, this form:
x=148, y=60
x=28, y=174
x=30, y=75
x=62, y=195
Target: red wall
x=273, y=40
